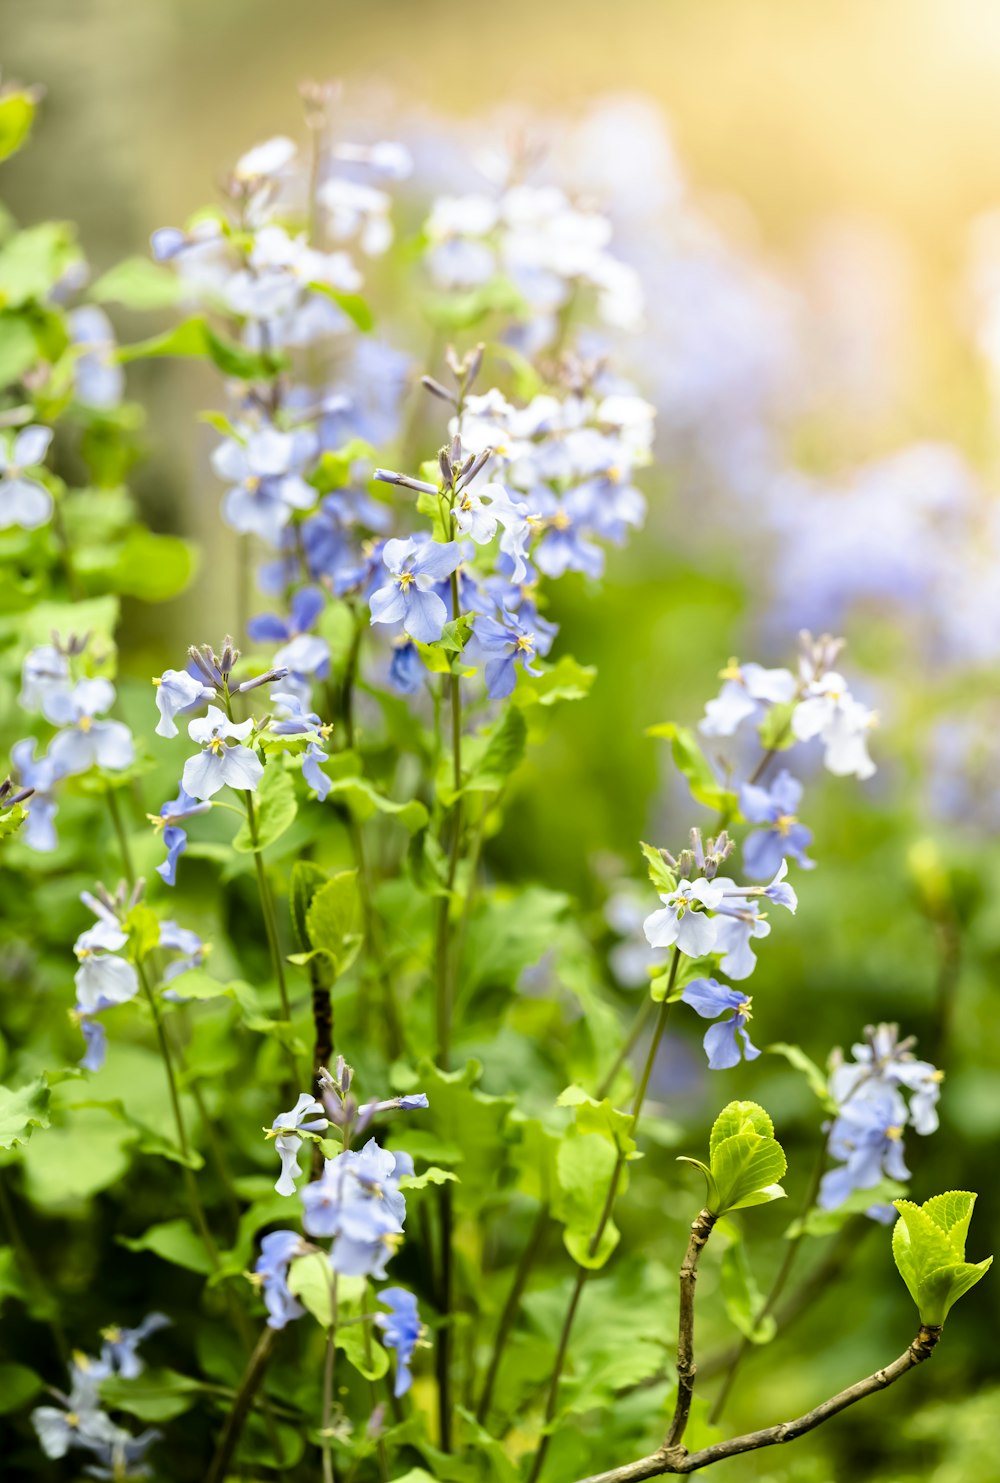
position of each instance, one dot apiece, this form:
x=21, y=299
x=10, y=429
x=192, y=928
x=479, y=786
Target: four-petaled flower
x=401, y=1330
x=220, y=765
x=277, y=1251
x=177, y=692
x=416, y=567
x=682, y=919
x=774, y=807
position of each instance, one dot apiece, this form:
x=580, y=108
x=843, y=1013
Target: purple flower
x=746, y=690
x=86, y=742
x=709, y=998
x=302, y=654
x=401, y=1329
x=219, y=765
x=416, y=568
x=357, y=1201
x=23, y=501
x=118, y=1352
x=174, y=837
x=564, y=546
x=407, y=670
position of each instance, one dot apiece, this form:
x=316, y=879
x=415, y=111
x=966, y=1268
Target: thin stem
x=329, y=1364
x=366, y=1330
x=701, y=1229
x=678, y=1460
x=252, y=1377
x=267, y=907
x=777, y=1286
x=584, y=1272
x=123, y=846
x=510, y=1307
x=446, y=1298
x=639, y=1024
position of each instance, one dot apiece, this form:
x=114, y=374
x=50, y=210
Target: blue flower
x=764, y=849
x=288, y=1143
x=265, y=480
x=294, y=720
x=867, y=1140
x=86, y=742
x=177, y=692
x=709, y=998
x=118, y=1352
x=564, y=546
x=503, y=642
x=45, y=669
x=102, y=979
x=24, y=501
x=407, y=670
x=357, y=1201
x=302, y=653
x=100, y=379
x=401, y=1330
x=95, y=1038
x=277, y=1252
x=885, y=1060
x=174, y=837
x=41, y=775
x=190, y=948
x=683, y=919
x=219, y=765
x=416, y=568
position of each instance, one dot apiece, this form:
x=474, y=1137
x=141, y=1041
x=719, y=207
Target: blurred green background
x=884, y=113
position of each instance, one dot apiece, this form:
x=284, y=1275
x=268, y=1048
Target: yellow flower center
x=86, y=722
x=252, y=483
x=404, y=579
x=560, y=520
x=784, y=822
x=526, y=643
x=731, y=671
x=217, y=745
x=895, y=1133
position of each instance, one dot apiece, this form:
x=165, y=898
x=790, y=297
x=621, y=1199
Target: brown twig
x=678, y=1460
x=701, y=1229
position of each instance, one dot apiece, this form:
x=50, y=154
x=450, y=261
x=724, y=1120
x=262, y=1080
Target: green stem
x=329, y=1364
x=510, y=1307
x=123, y=846
x=267, y=907
x=366, y=1329
x=252, y=1377
x=583, y=1273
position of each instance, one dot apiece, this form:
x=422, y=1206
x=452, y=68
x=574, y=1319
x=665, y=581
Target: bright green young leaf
x=565, y=680
x=194, y=338
x=796, y=1056
x=33, y=261
x=739, y=1117
x=152, y=567
x=17, y=113
x=354, y=305
x=18, y=348
x=275, y=809
x=364, y=800
x=746, y=1169
x=503, y=754
x=775, y=731
x=660, y=873
x=928, y=1246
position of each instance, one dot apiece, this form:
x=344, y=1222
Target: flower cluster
x=53, y=683
x=356, y=1204
x=866, y=1137
x=79, y=1423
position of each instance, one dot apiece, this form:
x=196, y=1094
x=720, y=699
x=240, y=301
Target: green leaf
x=23, y=1110
x=275, y=809
x=194, y=338
x=659, y=872
x=18, y=1384
x=333, y=920
x=138, y=283
x=433, y=1175
x=363, y=800
x=174, y=1241
x=18, y=348
x=155, y=1395
x=33, y=261
x=746, y=1169
x=310, y=1279
x=740, y=1117
x=152, y=567
x=928, y=1246
x=584, y=1166
x=306, y=879
x=143, y=928
x=354, y=305
x=17, y=114
x=335, y=467
x=565, y=680
x=691, y=763
x=503, y=754
x=457, y=311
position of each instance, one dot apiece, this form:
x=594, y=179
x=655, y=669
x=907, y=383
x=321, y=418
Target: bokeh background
x=807, y=191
